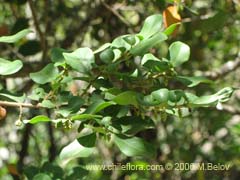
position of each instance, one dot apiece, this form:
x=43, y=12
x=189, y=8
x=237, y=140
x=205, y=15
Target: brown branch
x=116, y=13
x=23, y=105
x=230, y=109
x=38, y=29
x=223, y=70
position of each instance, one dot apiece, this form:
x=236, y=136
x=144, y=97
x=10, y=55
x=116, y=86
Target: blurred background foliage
x=211, y=28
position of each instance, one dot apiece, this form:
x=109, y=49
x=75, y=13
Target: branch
x=37, y=26
x=119, y=16
x=16, y=104
x=229, y=109
x=224, y=70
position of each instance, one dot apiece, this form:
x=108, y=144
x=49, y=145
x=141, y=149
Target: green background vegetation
x=35, y=151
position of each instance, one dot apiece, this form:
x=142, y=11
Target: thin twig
x=223, y=70
x=230, y=109
x=37, y=26
x=119, y=16
x=16, y=104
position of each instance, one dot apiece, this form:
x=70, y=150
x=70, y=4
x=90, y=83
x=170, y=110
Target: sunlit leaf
x=193, y=81
x=15, y=37
x=144, y=45
x=134, y=146
x=179, y=53
x=10, y=67
x=151, y=25
x=38, y=119
x=80, y=60
x=46, y=75
x=126, y=98
x=76, y=149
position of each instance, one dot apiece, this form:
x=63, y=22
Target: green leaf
x=15, y=97
x=120, y=43
x=134, y=146
x=179, y=53
x=81, y=117
x=80, y=60
x=37, y=94
x=148, y=57
x=42, y=176
x=73, y=106
x=47, y=104
x=98, y=105
x=10, y=67
x=131, y=125
x=222, y=95
x=30, y=171
x=88, y=140
x=157, y=97
x=102, y=48
x=15, y=37
x=143, y=46
x=77, y=173
x=179, y=112
x=161, y=95
x=157, y=66
x=107, y=56
x=52, y=170
x=46, y=75
x=193, y=81
x=38, y=119
x=126, y=98
x=57, y=55
x=151, y=25
x=76, y=149
x=176, y=97
x=171, y=29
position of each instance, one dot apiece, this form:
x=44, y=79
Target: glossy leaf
x=148, y=57
x=14, y=97
x=10, y=67
x=102, y=48
x=151, y=25
x=73, y=106
x=222, y=95
x=80, y=60
x=46, y=75
x=120, y=43
x=98, y=105
x=144, y=45
x=161, y=95
x=38, y=119
x=193, y=81
x=179, y=53
x=171, y=29
x=57, y=55
x=42, y=176
x=81, y=117
x=15, y=37
x=134, y=146
x=157, y=66
x=107, y=56
x=131, y=125
x=47, y=104
x=76, y=149
x=126, y=98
